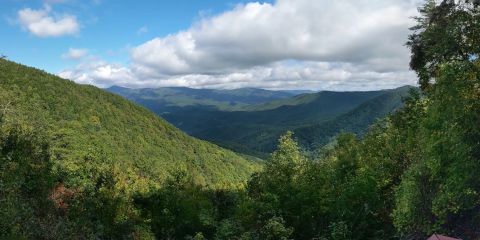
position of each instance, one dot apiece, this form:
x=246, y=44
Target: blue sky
x=282, y=44
x=108, y=27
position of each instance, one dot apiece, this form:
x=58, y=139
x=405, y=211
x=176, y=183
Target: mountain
x=325, y=113
x=255, y=128
x=166, y=99
x=356, y=121
x=298, y=92
x=87, y=126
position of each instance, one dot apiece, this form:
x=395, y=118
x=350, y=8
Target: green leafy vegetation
x=102, y=149
x=253, y=128
x=411, y=174
x=356, y=121
x=84, y=122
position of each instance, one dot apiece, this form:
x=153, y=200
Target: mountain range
x=162, y=99
x=251, y=120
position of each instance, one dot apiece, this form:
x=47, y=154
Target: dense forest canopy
x=253, y=127
x=412, y=174
x=87, y=125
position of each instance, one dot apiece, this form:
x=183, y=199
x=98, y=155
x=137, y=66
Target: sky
x=342, y=45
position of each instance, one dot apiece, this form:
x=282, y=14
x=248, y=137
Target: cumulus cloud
x=280, y=75
x=75, y=53
x=362, y=31
x=100, y=73
x=303, y=44
x=44, y=23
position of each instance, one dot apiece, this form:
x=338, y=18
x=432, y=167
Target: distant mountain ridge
x=254, y=128
x=227, y=100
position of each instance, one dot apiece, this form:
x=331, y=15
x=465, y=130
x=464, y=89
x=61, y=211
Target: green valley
x=255, y=128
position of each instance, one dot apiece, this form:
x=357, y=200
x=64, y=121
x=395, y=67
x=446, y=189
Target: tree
x=274, y=229
x=445, y=32
x=439, y=190
x=287, y=161
x=179, y=209
x=25, y=183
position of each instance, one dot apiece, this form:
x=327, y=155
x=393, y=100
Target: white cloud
x=44, y=23
x=256, y=34
x=303, y=44
x=75, y=53
x=100, y=73
x=280, y=75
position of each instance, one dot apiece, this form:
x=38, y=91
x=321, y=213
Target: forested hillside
x=83, y=121
x=357, y=121
x=92, y=134
x=254, y=128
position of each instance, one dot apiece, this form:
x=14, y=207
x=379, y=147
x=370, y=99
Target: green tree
x=25, y=183
x=444, y=32
x=275, y=229
x=179, y=209
x=439, y=190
